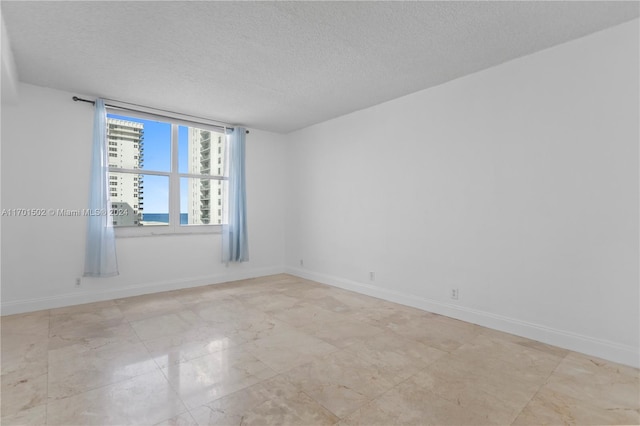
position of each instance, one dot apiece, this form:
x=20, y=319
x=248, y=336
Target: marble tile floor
x=283, y=350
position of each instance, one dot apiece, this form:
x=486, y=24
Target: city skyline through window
x=142, y=199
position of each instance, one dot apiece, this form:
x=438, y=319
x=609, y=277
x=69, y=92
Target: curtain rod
x=78, y=99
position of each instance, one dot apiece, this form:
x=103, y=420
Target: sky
x=157, y=156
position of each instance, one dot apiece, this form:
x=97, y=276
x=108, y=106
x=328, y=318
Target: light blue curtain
x=235, y=246
x=100, y=256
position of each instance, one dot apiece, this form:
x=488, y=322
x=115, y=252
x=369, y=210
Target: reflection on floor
x=283, y=350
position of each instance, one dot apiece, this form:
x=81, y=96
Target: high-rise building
x=126, y=148
x=206, y=150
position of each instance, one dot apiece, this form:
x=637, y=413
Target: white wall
x=46, y=144
x=518, y=185
x=8, y=72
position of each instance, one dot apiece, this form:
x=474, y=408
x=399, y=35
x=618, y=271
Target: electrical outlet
x=78, y=282
x=301, y=262
x=372, y=276
x=454, y=293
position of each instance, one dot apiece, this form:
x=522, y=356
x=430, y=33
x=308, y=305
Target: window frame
x=174, y=227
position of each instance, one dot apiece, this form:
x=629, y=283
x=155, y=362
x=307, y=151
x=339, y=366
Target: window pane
x=138, y=199
x=201, y=151
x=156, y=200
x=201, y=201
x=136, y=143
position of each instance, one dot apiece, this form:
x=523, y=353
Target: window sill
x=168, y=231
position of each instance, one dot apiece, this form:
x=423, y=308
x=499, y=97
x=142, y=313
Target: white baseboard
x=600, y=348
x=80, y=297
x=605, y=349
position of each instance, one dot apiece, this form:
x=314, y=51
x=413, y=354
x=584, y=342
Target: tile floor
x=282, y=350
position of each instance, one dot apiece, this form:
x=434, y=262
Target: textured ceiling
x=281, y=66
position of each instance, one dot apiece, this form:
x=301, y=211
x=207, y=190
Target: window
x=167, y=181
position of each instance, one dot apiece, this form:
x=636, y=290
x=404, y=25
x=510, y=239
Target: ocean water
x=164, y=217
